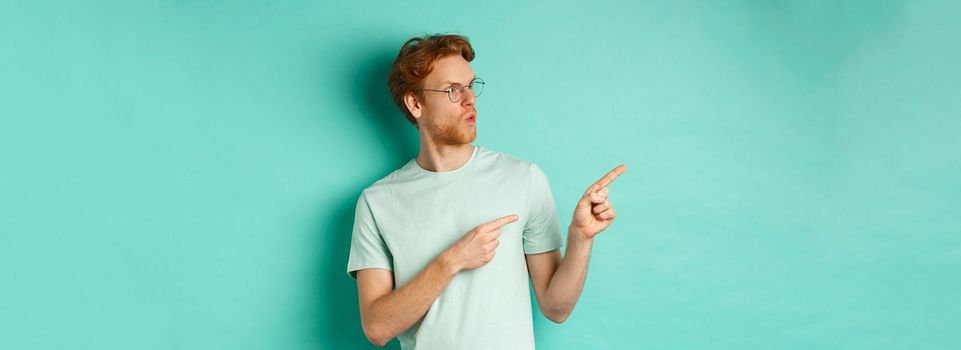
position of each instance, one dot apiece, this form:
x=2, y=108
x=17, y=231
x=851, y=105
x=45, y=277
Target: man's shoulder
x=383, y=184
x=502, y=160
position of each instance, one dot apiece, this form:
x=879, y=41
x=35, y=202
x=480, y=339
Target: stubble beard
x=454, y=133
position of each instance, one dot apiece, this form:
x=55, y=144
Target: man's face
x=445, y=122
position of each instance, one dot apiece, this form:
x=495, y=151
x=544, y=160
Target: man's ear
x=413, y=105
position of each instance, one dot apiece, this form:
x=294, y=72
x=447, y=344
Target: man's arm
x=558, y=281
x=385, y=313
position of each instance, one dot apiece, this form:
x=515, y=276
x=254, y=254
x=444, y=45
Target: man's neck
x=440, y=158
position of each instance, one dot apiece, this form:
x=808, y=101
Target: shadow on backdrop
x=368, y=88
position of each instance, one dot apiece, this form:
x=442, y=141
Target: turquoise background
x=183, y=174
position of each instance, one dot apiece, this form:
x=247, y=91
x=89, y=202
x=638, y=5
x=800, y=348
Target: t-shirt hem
x=352, y=271
x=540, y=249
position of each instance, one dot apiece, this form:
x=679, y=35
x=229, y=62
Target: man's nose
x=469, y=98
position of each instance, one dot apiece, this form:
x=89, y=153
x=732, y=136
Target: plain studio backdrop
x=183, y=174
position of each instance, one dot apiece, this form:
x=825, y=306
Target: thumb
x=599, y=196
x=584, y=202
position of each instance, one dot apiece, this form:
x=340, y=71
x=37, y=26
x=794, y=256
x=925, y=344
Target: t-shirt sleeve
x=367, y=246
x=543, y=232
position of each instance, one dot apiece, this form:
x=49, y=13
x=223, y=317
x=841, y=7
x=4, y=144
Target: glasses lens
x=477, y=87
x=454, y=92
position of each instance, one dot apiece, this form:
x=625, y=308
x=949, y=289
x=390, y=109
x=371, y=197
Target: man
x=460, y=228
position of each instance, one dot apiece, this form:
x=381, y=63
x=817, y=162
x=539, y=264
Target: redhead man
x=442, y=248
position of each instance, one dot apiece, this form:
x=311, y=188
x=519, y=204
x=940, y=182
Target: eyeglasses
x=456, y=91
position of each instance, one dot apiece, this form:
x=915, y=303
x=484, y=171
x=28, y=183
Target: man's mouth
x=471, y=118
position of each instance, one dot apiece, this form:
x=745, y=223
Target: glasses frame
x=450, y=89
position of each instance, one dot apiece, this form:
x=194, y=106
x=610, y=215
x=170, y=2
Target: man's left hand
x=594, y=211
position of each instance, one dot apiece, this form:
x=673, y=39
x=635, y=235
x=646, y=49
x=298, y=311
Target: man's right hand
x=476, y=247
x=386, y=312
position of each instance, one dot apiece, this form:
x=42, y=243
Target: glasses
x=455, y=92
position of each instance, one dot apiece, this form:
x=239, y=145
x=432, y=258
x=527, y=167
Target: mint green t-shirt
x=406, y=219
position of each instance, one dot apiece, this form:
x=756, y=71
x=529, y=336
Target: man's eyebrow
x=454, y=82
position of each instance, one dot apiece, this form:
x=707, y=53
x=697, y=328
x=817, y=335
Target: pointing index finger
x=498, y=223
x=609, y=177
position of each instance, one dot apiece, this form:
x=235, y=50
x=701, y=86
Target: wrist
x=576, y=236
x=447, y=263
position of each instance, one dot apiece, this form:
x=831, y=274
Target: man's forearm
x=568, y=281
x=396, y=312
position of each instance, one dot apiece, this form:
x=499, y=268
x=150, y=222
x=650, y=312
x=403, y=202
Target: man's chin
x=468, y=136
x=454, y=136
